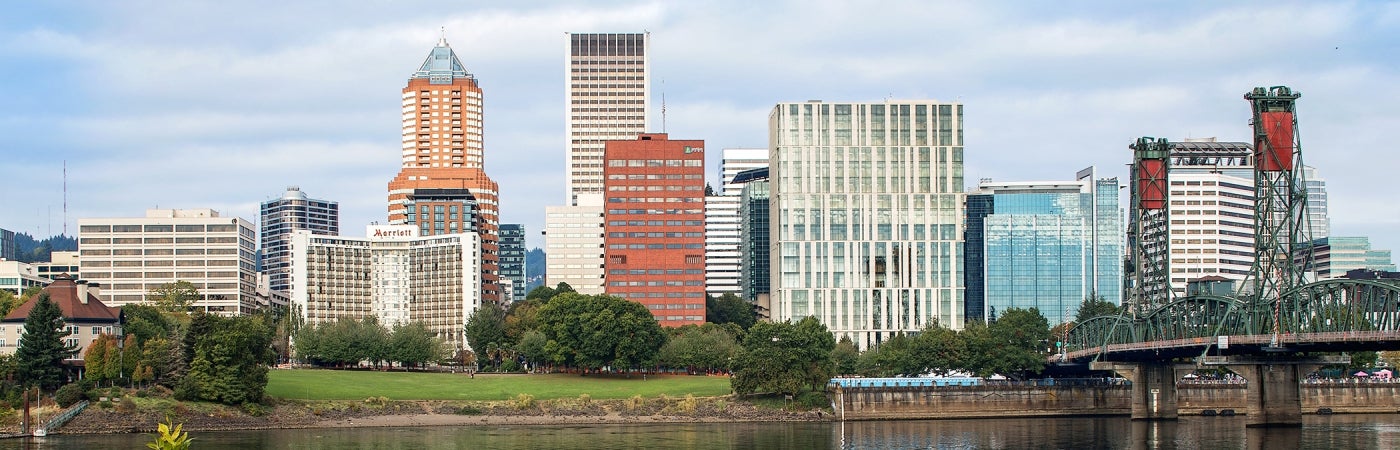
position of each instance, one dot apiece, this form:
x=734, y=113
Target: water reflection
x=1339, y=432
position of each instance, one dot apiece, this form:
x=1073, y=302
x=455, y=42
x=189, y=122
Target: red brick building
x=655, y=225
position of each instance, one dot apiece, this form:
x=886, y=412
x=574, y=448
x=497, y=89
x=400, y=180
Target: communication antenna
x=65, y=197
x=663, y=106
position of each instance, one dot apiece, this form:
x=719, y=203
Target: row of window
x=655, y=211
x=653, y=246
x=656, y=272
x=638, y=234
x=655, y=223
x=157, y=228
x=657, y=283
x=656, y=163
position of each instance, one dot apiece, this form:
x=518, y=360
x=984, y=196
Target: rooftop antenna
x=65, y=197
x=663, y=105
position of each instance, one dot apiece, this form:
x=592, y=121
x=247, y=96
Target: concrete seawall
x=946, y=402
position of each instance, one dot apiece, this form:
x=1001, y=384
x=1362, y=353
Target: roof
x=64, y=292
x=442, y=65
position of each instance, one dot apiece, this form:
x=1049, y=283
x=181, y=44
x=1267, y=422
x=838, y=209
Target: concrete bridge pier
x=1154, y=386
x=1273, y=394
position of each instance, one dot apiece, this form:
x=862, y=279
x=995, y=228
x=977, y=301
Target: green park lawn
x=315, y=384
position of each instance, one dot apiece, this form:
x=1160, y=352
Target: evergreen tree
x=42, y=350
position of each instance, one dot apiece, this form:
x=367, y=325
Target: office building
x=443, y=187
x=393, y=274
x=608, y=96
x=654, y=224
x=978, y=207
x=60, y=263
x=1319, y=223
x=17, y=276
x=513, y=260
x=8, y=248
x=130, y=256
x=722, y=221
x=1047, y=245
x=280, y=217
x=1211, y=216
x=867, y=210
x=573, y=241
x=1334, y=256
x=754, y=236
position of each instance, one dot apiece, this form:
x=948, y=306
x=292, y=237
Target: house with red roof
x=84, y=315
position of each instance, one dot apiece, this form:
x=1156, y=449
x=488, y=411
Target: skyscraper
x=1047, y=245
x=608, y=96
x=280, y=217
x=513, y=259
x=754, y=239
x=1319, y=225
x=442, y=187
x=655, y=241
x=722, y=221
x=8, y=248
x=867, y=209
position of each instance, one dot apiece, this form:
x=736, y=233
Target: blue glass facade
x=1050, y=250
x=979, y=206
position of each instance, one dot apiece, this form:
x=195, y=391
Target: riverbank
x=292, y=414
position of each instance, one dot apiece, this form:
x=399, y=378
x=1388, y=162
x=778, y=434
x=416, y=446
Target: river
x=1336, y=432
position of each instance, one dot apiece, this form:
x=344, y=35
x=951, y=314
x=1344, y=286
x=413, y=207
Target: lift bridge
x=1279, y=324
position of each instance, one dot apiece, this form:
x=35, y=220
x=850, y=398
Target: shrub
x=143, y=393
x=105, y=404
x=524, y=401
x=812, y=399
x=254, y=409
x=635, y=402
x=585, y=399
x=69, y=394
x=688, y=404
x=126, y=406
x=468, y=410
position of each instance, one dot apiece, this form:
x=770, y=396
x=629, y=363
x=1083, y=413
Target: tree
x=1013, y=345
x=174, y=297
x=729, y=308
x=845, y=356
x=8, y=302
x=783, y=357
x=486, y=326
x=593, y=331
x=230, y=360
x=42, y=348
x=521, y=318
x=938, y=350
x=95, y=359
x=531, y=346
x=544, y=294
x=30, y=292
x=1094, y=306
x=146, y=322
x=894, y=356
x=412, y=344
x=699, y=348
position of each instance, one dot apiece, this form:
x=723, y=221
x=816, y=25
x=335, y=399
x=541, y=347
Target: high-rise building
x=129, y=257
x=573, y=242
x=608, y=92
x=8, y=248
x=978, y=207
x=442, y=187
x=1047, y=245
x=654, y=225
x=1211, y=216
x=392, y=274
x=1319, y=224
x=722, y=221
x=867, y=209
x=754, y=236
x=280, y=217
x=513, y=259
x=1334, y=256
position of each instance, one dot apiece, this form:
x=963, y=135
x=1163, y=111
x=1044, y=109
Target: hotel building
x=393, y=274
x=654, y=225
x=867, y=210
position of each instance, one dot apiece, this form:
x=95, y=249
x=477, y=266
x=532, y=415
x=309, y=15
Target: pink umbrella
x=1362, y=374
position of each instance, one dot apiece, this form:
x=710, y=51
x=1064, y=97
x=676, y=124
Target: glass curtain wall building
x=1049, y=245
x=753, y=235
x=282, y=216
x=866, y=216
x=513, y=260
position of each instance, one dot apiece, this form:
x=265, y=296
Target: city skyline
x=223, y=114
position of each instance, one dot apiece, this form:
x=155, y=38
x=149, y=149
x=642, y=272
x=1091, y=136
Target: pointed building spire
x=443, y=41
x=442, y=65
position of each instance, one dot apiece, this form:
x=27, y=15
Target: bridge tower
x=1280, y=209
x=1148, y=237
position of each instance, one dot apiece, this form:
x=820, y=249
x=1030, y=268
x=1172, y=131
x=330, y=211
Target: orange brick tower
x=443, y=187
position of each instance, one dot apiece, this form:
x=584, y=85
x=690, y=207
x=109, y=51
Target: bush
x=688, y=404
x=105, y=404
x=468, y=410
x=812, y=399
x=126, y=406
x=635, y=402
x=510, y=366
x=253, y=409
x=69, y=394
x=585, y=399
x=524, y=401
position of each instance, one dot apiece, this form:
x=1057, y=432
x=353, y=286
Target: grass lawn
x=315, y=384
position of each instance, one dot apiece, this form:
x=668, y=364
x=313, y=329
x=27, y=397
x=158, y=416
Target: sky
x=222, y=105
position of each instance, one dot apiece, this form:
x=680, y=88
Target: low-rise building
x=85, y=316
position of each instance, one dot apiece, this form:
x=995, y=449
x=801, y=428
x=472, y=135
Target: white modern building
x=867, y=211
x=609, y=97
x=130, y=256
x=16, y=276
x=280, y=217
x=59, y=263
x=1211, y=212
x=391, y=274
x=1319, y=223
x=573, y=241
x=722, y=221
